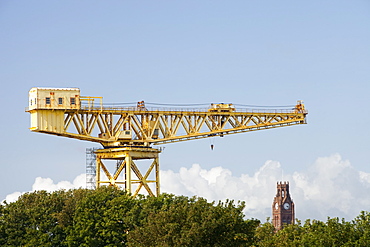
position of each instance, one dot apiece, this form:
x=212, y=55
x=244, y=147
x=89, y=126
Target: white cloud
x=219, y=184
x=13, y=197
x=49, y=185
x=329, y=187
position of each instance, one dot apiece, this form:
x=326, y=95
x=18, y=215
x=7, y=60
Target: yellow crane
x=128, y=132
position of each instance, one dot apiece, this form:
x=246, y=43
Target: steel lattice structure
x=128, y=133
x=159, y=126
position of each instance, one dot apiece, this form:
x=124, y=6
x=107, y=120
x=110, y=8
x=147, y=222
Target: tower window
x=282, y=193
x=73, y=101
x=60, y=101
x=47, y=100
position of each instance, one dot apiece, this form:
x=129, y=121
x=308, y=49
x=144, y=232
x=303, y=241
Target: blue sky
x=242, y=52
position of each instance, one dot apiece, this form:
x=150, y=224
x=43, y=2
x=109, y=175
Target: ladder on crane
x=129, y=132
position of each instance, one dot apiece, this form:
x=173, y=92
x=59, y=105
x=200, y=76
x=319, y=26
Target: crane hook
x=212, y=146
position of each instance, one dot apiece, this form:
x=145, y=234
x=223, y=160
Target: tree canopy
x=110, y=217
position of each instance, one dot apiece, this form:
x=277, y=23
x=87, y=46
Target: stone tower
x=282, y=207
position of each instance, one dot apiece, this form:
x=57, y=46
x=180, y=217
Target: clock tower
x=282, y=207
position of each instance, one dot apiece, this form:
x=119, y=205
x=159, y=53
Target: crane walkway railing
x=166, y=109
x=147, y=110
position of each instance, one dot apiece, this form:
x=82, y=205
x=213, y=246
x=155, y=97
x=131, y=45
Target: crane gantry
x=128, y=133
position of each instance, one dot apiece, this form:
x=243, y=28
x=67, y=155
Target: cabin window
x=60, y=101
x=73, y=101
x=47, y=100
x=31, y=102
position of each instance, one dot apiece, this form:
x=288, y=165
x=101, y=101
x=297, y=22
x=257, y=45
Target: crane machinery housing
x=128, y=132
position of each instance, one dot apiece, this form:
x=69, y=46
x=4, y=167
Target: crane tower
x=128, y=133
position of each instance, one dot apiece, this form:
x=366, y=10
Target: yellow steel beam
x=128, y=133
x=158, y=127
x=128, y=169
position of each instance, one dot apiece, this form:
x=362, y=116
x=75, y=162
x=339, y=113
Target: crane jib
x=135, y=128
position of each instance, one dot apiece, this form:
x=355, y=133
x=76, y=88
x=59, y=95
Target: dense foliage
x=109, y=217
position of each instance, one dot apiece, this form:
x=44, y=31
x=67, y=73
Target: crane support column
x=126, y=157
